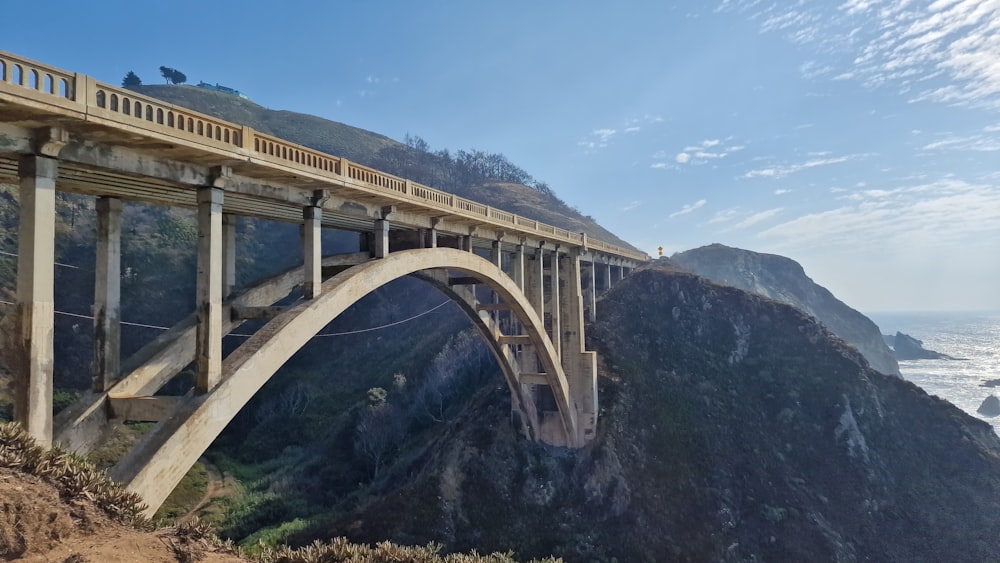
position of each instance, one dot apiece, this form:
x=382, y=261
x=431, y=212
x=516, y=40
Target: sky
x=860, y=138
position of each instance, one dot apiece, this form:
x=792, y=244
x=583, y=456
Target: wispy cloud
x=705, y=151
x=688, y=208
x=940, y=212
x=632, y=205
x=781, y=171
x=755, y=218
x=723, y=216
x=945, y=51
x=978, y=143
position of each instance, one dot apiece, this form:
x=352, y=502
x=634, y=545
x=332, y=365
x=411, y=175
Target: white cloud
x=598, y=139
x=699, y=153
x=723, y=216
x=786, y=170
x=632, y=205
x=756, y=218
x=782, y=191
x=936, y=213
x=659, y=165
x=978, y=143
x=689, y=208
x=633, y=129
x=603, y=134
x=944, y=51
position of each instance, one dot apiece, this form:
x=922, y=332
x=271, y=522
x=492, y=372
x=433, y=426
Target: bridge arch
x=157, y=463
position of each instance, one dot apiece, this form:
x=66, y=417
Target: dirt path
x=217, y=487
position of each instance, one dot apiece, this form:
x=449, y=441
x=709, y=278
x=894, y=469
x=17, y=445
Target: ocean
x=975, y=337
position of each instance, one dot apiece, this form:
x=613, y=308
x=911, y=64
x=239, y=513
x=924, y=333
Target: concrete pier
x=107, y=294
x=208, y=347
x=35, y=311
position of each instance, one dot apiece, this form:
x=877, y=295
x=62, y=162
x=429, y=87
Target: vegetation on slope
x=733, y=428
x=485, y=177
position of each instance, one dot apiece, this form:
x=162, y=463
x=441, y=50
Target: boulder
x=990, y=406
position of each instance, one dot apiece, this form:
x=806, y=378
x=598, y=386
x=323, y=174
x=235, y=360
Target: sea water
x=974, y=337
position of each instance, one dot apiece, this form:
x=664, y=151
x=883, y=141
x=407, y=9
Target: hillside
x=784, y=280
x=383, y=153
x=734, y=428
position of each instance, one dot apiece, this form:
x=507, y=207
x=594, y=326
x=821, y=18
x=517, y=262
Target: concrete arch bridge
x=62, y=131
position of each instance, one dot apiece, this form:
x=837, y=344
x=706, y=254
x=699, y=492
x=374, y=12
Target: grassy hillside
x=383, y=153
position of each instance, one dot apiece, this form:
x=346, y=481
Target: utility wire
x=56, y=263
x=360, y=331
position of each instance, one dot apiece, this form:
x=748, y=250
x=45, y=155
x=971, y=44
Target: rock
x=990, y=406
x=905, y=347
x=990, y=383
x=784, y=280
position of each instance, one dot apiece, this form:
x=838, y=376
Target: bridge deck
x=124, y=144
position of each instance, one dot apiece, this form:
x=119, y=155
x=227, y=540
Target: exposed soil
x=37, y=525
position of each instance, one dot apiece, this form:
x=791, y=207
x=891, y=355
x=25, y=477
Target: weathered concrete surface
x=208, y=342
x=157, y=463
x=107, y=295
x=35, y=310
x=79, y=427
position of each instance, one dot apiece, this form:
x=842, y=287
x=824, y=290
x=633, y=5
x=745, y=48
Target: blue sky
x=858, y=137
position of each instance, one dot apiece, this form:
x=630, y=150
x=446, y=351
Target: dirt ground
x=36, y=525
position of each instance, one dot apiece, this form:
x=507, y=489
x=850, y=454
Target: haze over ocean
x=973, y=336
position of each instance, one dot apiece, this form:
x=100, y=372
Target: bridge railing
x=111, y=105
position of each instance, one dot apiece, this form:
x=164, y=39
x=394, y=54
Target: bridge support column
x=579, y=365
x=381, y=238
x=555, y=308
x=208, y=344
x=534, y=282
x=228, y=254
x=590, y=293
x=496, y=254
x=312, y=250
x=621, y=272
x=609, y=276
x=35, y=288
x=517, y=266
x=107, y=295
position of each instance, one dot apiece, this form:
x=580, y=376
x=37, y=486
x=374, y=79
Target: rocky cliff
x=733, y=428
x=784, y=280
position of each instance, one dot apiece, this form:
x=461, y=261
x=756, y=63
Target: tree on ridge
x=131, y=80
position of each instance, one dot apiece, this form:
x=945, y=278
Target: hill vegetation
x=483, y=176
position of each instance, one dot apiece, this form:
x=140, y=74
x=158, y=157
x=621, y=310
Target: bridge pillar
x=381, y=238
x=35, y=311
x=555, y=300
x=107, y=295
x=621, y=272
x=534, y=282
x=228, y=254
x=609, y=275
x=312, y=250
x=208, y=343
x=590, y=293
x=579, y=365
x=517, y=266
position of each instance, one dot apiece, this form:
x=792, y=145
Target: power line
x=360, y=331
x=56, y=263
